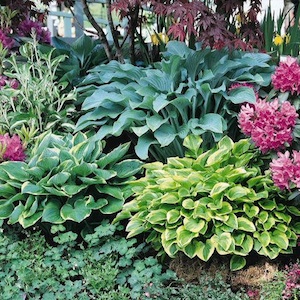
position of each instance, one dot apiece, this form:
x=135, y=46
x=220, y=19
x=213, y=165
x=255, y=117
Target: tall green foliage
x=214, y=201
x=188, y=92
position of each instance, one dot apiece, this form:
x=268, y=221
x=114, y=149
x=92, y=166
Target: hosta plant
x=66, y=178
x=214, y=201
x=190, y=91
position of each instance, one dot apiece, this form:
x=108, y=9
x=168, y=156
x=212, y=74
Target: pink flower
x=269, y=124
x=27, y=26
x=285, y=170
x=5, y=40
x=13, y=148
x=287, y=76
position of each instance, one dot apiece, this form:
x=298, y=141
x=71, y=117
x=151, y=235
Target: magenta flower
x=13, y=148
x=287, y=76
x=6, y=41
x=269, y=124
x=27, y=26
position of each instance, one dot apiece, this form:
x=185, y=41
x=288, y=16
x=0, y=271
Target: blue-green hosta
x=213, y=201
x=65, y=179
x=187, y=93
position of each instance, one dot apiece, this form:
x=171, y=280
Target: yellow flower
x=278, y=40
x=238, y=18
x=157, y=38
x=287, y=38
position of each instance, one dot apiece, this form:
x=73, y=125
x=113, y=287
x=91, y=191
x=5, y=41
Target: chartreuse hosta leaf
x=66, y=179
x=208, y=203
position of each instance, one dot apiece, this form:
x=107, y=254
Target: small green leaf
x=158, y=216
x=237, y=263
x=51, y=212
x=194, y=225
x=173, y=216
x=184, y=237
x=245, y=225
x=77, y=212
x=205, y=250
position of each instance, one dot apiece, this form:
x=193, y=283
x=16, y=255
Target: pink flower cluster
x=12, y=148
x=285, y=170
x=269, y=124
x=292, y=284
x=27, y=26
x=287, y=76
x=5, y=40
x=13, y=83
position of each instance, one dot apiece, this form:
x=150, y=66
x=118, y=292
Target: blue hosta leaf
x=165, y=135
x=139, y=131
x=83, y=169
x=143, y=144
x=160, y=102
x=181, y=49
x=6, y=210
x=155, y=121
x=14, y=170
x=212, y=122
x=242, y=94
x=7, y=190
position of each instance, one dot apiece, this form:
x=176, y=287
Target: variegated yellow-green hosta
x=213, y=201
x=65, y=179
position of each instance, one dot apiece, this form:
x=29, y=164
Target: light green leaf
x=246, y=225
x=173, y=216
x=237, y=263
x=205, y=250
x=51, y=212
x=193, y=225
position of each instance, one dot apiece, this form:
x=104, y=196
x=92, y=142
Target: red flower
x=13, y=148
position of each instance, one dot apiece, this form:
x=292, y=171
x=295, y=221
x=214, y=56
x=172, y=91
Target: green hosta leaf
x=294, y=210
x=237, y=192
x=170, y=198
x=232, y=221
x=245, y=225
x=135, y=227
x=48, y=163
x=263, y=216
x=6, y=210
x=282, y=216
x=217, y=157
x=242, y=94
x=158, y=216
x=193, y=144
x=127, y=168
x=173, y=216
x=247, y=244
x=219, y=188
x=55, y=191
x=169, y=234
x=264, y=238
x=267, y=204
x=190, y=250
x=170, y=247
x=269, y=223
x=238, y=238
x=225, y=209
x=205, y=250
x=241, y=147
x=27, y=222
x=15, y=170
x=7, y=190
x=59, y=179
x=32, y=189
x=14, y=217
x=114, y=191
x=51, y=212
x=114, y=205
x=225, y=240
x=251, y=210
x=83, y=169
x=155, y=121
x=237, y=263
x=194, y=225
x=280, y=239
x=188, y=203
x=76, y=212
x=114, y=156
x=72, y=189
x=184, y=237
x=99, y=203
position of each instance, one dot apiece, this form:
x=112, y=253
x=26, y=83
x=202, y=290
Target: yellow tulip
x=157, y=38
x=278, y=40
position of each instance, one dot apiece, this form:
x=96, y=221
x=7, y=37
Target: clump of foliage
x=39, y=102
x=219, y=200
x=104, y=265
x=65, y=178
x=188, y=92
